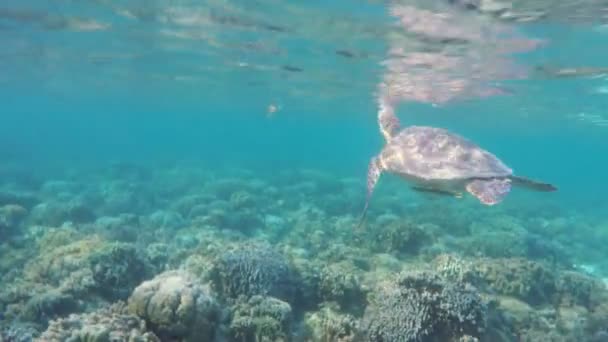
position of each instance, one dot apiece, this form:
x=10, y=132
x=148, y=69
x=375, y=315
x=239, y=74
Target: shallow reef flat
x=184, y=253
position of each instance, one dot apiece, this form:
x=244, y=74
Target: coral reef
x=527, y=280
x=57, y=213
x=201, y=255
x=390, y=234
x=329, y=325
x=107, y=324
x=67, y=277
x=176, y=306
x=117, y=269
x=259, y=319
x=18, y=332
x=254, y=269
x=339, y=282
x=421, y=306
x=11, y=216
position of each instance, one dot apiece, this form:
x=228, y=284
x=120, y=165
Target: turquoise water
x=160, y=110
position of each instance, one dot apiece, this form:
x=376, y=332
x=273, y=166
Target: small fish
x=345, y=53
x=274, y=28
x=272, y=110
x=292, y=68
x=592, y=72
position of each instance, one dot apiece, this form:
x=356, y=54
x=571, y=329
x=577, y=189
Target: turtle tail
x=373, y=174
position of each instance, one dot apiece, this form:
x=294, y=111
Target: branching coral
x=254, y=269
x=421, y=306
x=261, y=319
x=108, y=324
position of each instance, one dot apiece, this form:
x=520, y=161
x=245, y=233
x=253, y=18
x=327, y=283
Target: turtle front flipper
x=437, y=191
x=387, y=120
x=491, y=191
x=373, y=174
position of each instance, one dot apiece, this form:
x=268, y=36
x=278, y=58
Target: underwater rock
x=307, y=283
x=500, y=325
x=524, y=290
x=327, y=183
x=340, y=283
x=572, y=322
x=25, y=200
x=49, y=214
x=525, y=279
x=509, y=244
x=241, y=200
x=276, y=226
x=54, y=188
x=56, y=263
x=200, y=210
x=220, y=214
x=80, y=213
x=421, y=306
x=105, y=325
x=52, y=284
x=117, y=222
x=117, y=269
x=18, y=332
x=260, y=319
x=85, y=271
x=575, y=288
x=127, y=171
x=124, y=227
x=600, y=336
x=158, y=254
x=49, y=305
x=598, y=316
x=494, y=245
x=246, y=221
x=55, y=214
x=186, y=205
x=338, y=204
x=541, y=248
x=11, y=216
x=223, y=189
x=122, y=197
x=399, y=236
x=329, y=325
x=176, y=306
x=254, y=269
x=166, y=220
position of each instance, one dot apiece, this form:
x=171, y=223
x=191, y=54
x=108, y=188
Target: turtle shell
x=430, y=153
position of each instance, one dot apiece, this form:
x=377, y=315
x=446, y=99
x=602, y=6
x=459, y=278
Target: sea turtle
x=435, y=160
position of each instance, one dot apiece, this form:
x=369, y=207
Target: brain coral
x=176, y=306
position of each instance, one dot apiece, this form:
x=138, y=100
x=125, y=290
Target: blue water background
x=60, y=115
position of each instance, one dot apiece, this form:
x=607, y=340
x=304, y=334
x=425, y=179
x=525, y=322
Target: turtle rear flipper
x=491, y=191
x=373, y=174
x=532, y=184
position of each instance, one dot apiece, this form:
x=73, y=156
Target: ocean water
x=215, y=153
